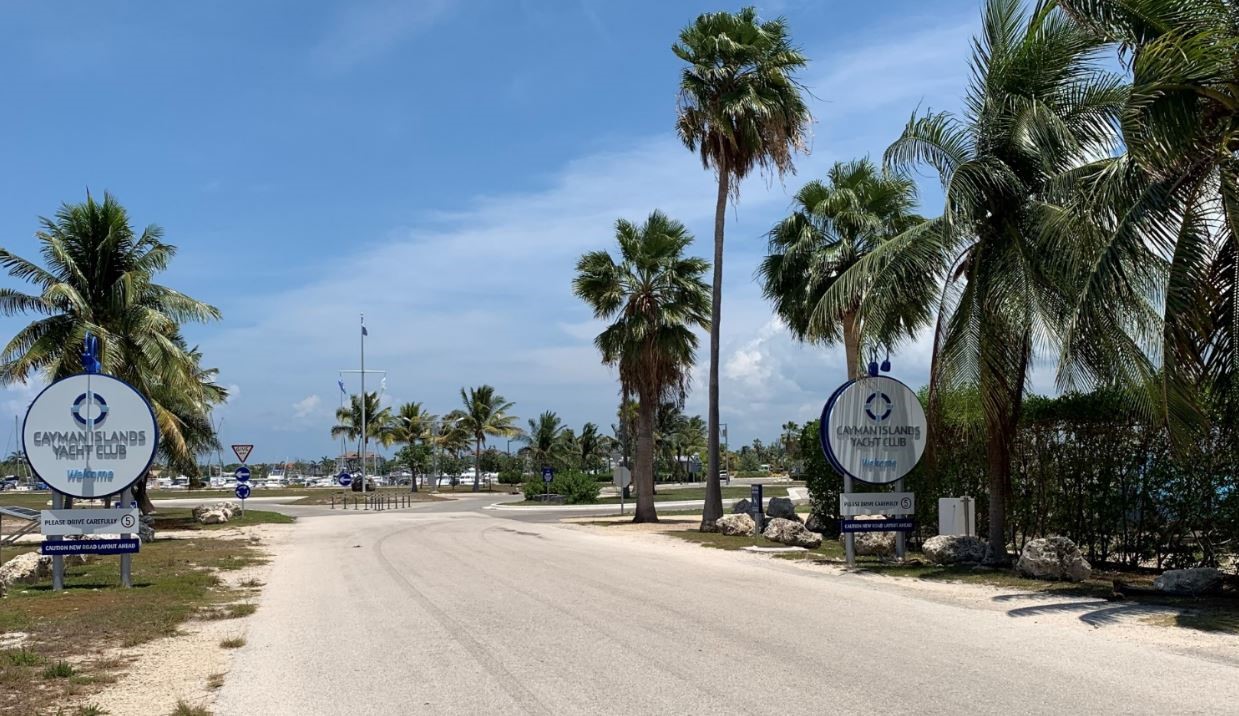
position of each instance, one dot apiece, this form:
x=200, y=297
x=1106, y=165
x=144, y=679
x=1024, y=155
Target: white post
x=364, y=437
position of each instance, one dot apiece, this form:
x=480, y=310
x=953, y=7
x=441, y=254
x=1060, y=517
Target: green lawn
x=667, y=494
x=183, y=519
x=174, y=580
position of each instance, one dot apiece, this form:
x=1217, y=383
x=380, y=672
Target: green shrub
x=577, y=488
x=511, y=476
x=532, y=487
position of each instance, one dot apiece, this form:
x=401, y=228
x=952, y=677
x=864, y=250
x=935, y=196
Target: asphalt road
x=439, y=610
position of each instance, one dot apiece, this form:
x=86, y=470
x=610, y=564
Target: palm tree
x=485, y=413
x=591, y=446
x=1038, y=107
x=741, y=108
x=544, y=439
x=98, y=279
x=412, y=426
x=378, y=427
x=835, y=223
x=655, y=297
x=1167, y=211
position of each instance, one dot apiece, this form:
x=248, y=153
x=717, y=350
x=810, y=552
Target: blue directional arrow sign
x=243, y=491
x=344, y=479
x=242, y=474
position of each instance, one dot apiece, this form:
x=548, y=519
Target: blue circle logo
x=98, y=411
x=878, y=406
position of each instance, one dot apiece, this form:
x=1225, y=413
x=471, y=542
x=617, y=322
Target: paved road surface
x=469, y=613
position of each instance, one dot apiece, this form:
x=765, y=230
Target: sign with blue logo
x=92, y=546
x=90, y=436
x=873, y=429
x=548, y=474
x=243, y=491
x=242, y=474
x=344, y=479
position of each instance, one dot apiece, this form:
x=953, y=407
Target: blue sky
x=438, y=165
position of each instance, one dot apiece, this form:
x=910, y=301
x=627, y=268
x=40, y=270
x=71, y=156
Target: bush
x=512, y=475
x=532, y=487
x=577, y=488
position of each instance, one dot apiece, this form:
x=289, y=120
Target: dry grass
x=235, y=642
x=173, y=581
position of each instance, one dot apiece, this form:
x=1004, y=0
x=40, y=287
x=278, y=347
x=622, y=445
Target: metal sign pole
x=849, y=538
x=901, y=546
x=58, y=562
x=126, y=560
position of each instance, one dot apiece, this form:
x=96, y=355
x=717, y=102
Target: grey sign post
x=755, y=507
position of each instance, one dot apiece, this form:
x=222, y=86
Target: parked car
x=9, y=483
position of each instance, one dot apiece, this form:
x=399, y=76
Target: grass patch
x=235, y=642
x=183, y=519
x=228, y=611
x=735, y=492
x=59, y=670
x=90, y=710
x=215, y=681
x=173, y=580
x=184, y=709
x=23, y=657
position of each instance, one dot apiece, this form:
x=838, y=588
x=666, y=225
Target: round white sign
x=874, y=430
x=90, y=435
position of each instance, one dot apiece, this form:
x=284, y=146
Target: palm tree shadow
x=1094, y=612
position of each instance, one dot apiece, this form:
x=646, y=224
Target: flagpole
x=363, y=404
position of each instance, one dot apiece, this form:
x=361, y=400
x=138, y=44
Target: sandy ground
x=162, y=672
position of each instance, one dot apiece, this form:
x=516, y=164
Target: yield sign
x=242, y=451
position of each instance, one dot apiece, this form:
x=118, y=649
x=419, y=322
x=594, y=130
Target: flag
x=340, y=382
x=364, y=332
x=383, y=385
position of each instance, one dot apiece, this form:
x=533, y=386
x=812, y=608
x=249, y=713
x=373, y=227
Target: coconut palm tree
x=412, y=426
x=1167, y=210
x=378, y=426
x=741, y=108
x=836, y=222
x=544, y=439
x=1039, y=106
x=485, y=413
x=591, y=447
x=98, y=278
x=654, y=297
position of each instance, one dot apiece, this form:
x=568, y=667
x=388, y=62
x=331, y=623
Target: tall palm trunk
x=851, y=344
x=477, y=463
x=713, y=508
x=645, y=462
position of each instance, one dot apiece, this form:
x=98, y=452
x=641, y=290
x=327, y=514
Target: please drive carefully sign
x=876, y=503
x=89, y=522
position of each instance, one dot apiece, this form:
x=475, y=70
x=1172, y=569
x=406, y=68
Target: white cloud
x=307, y=406
x=481, y=294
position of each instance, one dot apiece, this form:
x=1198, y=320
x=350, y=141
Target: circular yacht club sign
x=874, y=429
x=90, y=435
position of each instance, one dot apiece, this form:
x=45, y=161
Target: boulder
x=1056, y=558
x=146, y=528
x=791, y=533
x=742, y=507
x=1193, y=582
x=954, y=549
x=782, y=508
x=736, y=525
x=215, y=514
x=821, y=525
x=25, y=568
